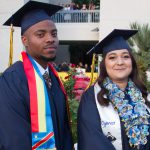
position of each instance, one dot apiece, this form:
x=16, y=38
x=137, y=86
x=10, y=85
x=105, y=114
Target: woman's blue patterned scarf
x=132, y=111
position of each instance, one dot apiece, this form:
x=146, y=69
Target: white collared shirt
x=42, y=70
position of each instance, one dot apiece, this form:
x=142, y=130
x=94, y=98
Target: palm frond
x=141, y=41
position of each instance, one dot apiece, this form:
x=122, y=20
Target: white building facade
x=113, y=14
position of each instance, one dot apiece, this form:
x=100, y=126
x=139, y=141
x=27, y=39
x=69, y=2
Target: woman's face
x=118, y=65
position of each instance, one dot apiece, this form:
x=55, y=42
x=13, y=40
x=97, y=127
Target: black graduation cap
x=116, y=40
x=31, y=13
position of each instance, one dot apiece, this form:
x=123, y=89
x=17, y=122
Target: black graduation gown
x=15, y=129
x=90, y=135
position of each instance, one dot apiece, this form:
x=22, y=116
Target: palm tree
x=140, y=44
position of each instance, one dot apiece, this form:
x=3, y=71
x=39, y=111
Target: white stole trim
x=110, y=121
x=148, y=98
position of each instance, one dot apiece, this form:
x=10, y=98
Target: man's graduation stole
x=40, y=111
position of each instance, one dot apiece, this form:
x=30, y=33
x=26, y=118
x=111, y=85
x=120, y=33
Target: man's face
x=41, y=41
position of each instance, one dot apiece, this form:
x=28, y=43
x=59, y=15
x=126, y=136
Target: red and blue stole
x=40, y=111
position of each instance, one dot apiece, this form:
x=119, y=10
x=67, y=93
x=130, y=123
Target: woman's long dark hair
x=134, y=76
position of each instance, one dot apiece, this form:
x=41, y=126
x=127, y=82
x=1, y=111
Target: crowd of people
x=71, y=12
x=64, y=67
x=74, y=6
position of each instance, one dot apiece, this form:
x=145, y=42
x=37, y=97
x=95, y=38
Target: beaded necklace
x=132, y=112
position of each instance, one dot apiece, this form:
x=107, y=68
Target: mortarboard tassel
x=92, y=71
x=11, y=46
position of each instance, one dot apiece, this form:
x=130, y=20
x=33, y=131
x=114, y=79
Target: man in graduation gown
x=33, y=111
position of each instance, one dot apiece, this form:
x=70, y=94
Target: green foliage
x=140, y=44
x=69, y=83
x=142, y=38
x=73, y=103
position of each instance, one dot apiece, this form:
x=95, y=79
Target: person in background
x=84, y=7
x=80, y=65
x=72, y=6
x=87, y=68
x=64, y=67
x=84, y=13
x=114, y=113
x=77, y=7
x=67, y=7
x=91, y=6
x=33, y=105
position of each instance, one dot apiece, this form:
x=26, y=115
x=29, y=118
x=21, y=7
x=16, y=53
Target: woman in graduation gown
x=114, y=112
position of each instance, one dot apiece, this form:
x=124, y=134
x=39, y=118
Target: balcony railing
x=76, y=16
